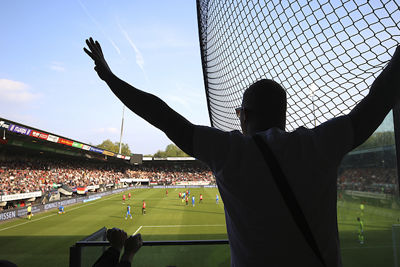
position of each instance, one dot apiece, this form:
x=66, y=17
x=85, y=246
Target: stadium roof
x=30, y=137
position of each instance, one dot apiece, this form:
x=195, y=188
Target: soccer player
x=309, y=158
x=201, y=198
x=61, y=209
x=362, y=207
x=29, y=211
x=144, y=208
x=216, y=199
x=193, y=201
x=361, y=237
x=129, y=195
x=123, y=199
x=187, y=200
x=166, y=192
x=180, y=195
x=128, y=212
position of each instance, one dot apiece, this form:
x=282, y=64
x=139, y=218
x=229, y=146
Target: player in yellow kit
x=29, y=210
x=361, y=236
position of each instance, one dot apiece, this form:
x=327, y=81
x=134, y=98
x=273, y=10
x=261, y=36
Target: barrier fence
x=78, y=257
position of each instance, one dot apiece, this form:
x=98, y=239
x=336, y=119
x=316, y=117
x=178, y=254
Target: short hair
x=266, y=98
x=6, y=263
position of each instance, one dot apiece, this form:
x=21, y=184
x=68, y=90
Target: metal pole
x=122, y=128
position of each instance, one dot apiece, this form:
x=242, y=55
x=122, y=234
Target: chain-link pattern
x=325, y=54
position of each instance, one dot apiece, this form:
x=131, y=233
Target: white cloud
x=99, y=26
x=139, y=57
x=15, y=91
x=57, y=66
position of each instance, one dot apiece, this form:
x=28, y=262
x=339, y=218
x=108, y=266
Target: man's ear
x=245, y=115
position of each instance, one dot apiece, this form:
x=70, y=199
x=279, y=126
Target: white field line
x=188, y=225
x=26, y=222
x=362, y=247
x=138, y=230
x=55, y=214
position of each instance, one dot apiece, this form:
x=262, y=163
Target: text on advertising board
x=19, y=129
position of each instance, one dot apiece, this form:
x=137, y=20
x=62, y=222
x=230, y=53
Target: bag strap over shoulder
x=288, y=195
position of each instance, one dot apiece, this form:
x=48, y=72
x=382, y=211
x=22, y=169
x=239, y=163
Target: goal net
x=325, y=53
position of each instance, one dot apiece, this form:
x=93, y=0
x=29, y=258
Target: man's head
x=263, y=107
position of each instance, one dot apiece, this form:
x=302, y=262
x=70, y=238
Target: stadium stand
x=33, y=169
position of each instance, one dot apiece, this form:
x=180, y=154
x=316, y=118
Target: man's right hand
x=102, y=68
x=117, y=238
x=369, y=113
x=388, y=82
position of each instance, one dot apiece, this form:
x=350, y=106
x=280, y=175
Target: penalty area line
x=138, y=230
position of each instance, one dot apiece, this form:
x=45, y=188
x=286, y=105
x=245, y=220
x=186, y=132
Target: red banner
x=65, y=141
x=39, y=135
x=81, y=190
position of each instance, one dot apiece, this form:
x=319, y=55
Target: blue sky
x=48, y=82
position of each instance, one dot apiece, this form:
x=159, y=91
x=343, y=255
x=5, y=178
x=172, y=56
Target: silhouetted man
x=262, y=229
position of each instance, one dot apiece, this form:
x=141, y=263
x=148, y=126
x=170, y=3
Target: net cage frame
x=326, y=54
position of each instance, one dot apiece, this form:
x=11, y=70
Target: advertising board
x=7, y=215
x=4, y=125
x=19, y=129
x=39, y=135
x=86, y=147
x=95, y=149
x=20, y=196
x=52, y=138
x=65, y=141
x=108, y=153
x=76, y=144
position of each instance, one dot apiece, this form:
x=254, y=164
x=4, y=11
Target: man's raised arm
x=149, y=107
x=383, y=95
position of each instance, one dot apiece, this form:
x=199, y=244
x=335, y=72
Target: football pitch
x=45, y=240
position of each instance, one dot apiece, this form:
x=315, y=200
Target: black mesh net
x=325, y=54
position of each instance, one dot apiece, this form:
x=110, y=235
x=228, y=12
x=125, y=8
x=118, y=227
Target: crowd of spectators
x=30, y=175
x=380, y=180
x=24, y=176
x=171, y=175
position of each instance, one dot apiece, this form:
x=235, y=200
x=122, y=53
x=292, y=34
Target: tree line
x=170, y=151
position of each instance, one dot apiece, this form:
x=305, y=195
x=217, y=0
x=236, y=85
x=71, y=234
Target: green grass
x=378, y=221
x=45, y=240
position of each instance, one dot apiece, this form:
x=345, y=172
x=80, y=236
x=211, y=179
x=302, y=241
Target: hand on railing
x=117, y=238
x=132, y=245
